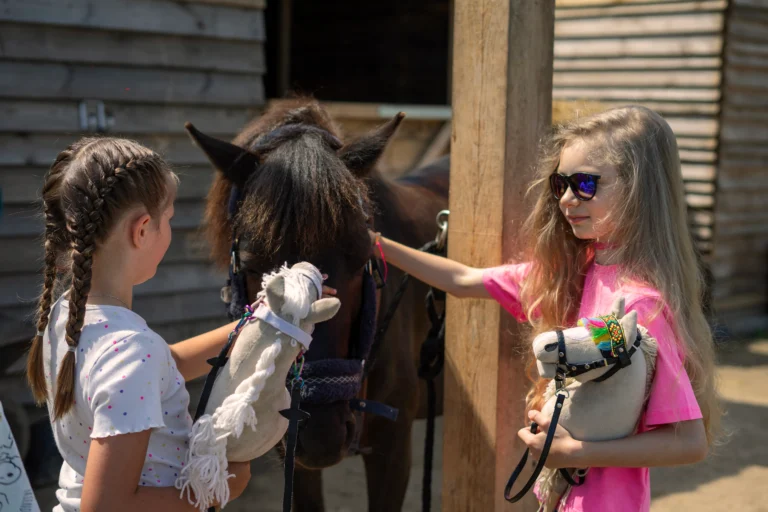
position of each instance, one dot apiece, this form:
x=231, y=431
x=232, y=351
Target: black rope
x=216, y=363
x=542, y=457
x=430, y=247
x=431, y=361
x=293, y=415
x=429, y=442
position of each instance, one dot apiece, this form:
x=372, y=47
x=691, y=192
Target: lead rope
x=431, y=359
x=294, y=415
x=217, y=363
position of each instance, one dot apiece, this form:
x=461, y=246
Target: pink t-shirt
x=671, y=399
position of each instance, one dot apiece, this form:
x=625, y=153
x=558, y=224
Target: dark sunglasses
x=583, y=185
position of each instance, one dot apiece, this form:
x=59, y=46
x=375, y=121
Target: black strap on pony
x=235, y=294
x=431, y=359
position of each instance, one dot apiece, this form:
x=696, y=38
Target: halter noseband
x=621, y=360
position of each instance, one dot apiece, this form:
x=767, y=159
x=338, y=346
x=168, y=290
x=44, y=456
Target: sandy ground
x=733, y=478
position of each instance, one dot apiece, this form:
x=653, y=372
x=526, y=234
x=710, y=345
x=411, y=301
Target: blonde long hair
x=656, y=246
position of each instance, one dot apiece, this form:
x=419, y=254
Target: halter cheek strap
x=264, y=314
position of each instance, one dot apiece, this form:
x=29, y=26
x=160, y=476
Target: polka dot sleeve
x=126, y=386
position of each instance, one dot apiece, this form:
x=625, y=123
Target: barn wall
x=155, y=64
x=740, y=255
x=666, y=55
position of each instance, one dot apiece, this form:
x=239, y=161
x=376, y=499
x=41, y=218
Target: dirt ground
x=733, y=478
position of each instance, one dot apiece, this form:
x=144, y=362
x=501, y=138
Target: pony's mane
x=300, y=201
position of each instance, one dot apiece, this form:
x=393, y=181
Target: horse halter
x=329, y=380
x=621, y=359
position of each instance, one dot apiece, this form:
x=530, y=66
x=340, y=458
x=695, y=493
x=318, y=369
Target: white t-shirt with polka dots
x=126, y=382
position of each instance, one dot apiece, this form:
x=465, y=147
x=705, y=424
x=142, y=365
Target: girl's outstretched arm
x=668, y=445
x=112, y=476
x=450, y=276
x=191, y=355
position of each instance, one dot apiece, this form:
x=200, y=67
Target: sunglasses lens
x=587, y=185
x=558, y=184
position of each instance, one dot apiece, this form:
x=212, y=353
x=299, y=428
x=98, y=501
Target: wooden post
x=502, y=101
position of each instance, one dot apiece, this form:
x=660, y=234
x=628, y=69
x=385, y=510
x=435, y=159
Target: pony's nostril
x=550, y=347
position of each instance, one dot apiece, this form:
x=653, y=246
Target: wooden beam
x=502, y=100
x=244, y=4
x=622, y=9
x=21, y=116
x=52, y=43
x=128, y=84
x=439, y=145
x=160, y=16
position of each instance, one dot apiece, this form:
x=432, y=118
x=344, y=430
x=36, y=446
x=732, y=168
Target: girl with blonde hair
x=609, y=220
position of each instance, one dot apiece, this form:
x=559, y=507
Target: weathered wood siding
x=155, y=64
x=740, y=254
x=664, y=54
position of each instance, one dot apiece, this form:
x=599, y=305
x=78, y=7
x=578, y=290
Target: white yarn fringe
x=205, y=475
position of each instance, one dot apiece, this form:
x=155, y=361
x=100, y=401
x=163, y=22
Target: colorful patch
x=606, y=332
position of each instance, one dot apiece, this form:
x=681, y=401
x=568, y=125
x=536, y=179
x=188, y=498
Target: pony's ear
x=323, y=310
x=618, y=307
x=362, y=154
x=629, y=324
x=234, y=162
x=275, y=292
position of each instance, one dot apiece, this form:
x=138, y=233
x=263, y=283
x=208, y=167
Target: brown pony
x=307, y=196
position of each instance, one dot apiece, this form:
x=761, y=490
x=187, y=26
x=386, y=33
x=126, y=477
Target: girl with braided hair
x=114, y=389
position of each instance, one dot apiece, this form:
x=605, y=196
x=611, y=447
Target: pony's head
x=583, y=343
x=300, y=195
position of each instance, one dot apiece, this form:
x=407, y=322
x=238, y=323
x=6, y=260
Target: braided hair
x=89, y=185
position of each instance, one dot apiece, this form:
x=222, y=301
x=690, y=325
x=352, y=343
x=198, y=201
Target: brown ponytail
x=88, y=187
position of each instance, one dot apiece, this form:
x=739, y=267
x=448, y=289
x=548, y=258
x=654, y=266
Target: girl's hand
x=327, y=290
x=561, y=452
x=242, y=472
x=374, y=237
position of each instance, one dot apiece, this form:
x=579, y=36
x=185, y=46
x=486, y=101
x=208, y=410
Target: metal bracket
x=93, y=117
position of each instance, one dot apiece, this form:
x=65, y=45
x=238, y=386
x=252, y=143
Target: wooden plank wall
x=665, y=54
x=155, y=64
x=740, y=256
x=425, y=134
